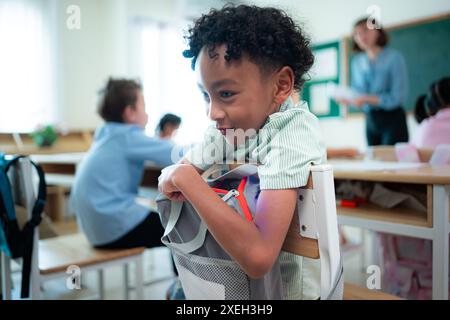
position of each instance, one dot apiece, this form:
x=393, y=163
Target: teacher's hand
x=342, y=101
x=359, y=102
x=362, y=100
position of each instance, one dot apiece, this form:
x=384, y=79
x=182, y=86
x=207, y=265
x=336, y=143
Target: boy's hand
x=167, y=184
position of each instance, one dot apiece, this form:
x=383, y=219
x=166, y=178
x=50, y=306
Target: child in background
x=435, y=129
x=107, y=180
x=408, y=261
x=168, y=126
x=248, y=62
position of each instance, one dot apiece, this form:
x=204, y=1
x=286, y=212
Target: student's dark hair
x=438, y=96
x=269, y=37
x=168, y=118
x=420, y=112
x=117, y=95
x=383, y=37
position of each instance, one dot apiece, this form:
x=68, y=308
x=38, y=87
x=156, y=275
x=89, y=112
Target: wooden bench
x=56, y=255
x=353, y=292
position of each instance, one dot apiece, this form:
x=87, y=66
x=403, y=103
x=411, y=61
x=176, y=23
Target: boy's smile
x=237, y=94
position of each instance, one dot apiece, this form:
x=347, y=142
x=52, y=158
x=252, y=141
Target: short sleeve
x=141, y=147
x=292, y=143
x=212, y=150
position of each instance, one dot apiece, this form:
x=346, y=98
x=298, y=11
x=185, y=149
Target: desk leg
x=139, y=277
x=440, y=242
x=101, y=284
x=126, y=281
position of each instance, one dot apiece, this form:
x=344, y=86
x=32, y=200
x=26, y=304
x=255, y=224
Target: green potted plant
x=45, y=136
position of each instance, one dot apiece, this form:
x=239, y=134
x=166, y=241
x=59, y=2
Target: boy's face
x=137, y=115
x=237, y=94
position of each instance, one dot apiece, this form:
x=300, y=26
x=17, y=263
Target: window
x=25, y=62
x=169, y=82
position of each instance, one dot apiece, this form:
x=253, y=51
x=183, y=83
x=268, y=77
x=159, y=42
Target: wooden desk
x=60, y=174
x=434, y=225
x=60, y=163
x=66, y=164
x=22, y=143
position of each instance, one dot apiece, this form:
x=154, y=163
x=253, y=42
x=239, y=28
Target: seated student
x=408, y=261
x=168, y=126
x=107, y=180
x=249, y=60
x=420, y=113
x=435, y=129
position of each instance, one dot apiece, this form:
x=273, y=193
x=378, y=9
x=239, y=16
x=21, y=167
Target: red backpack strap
x=243, y=201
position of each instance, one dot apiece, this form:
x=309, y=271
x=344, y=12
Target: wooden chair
x=313, y=233
x=53, y=257
x=58, y=255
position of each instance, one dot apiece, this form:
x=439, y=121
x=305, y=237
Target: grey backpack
x=205, y=270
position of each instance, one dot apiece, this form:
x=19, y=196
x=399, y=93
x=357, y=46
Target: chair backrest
x=314, y=231
x=23, y=189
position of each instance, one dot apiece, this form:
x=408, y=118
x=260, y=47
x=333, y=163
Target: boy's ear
x=284, y=84
x=128, y=115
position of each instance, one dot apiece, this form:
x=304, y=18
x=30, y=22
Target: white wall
x=88, y=56
x=329, y=20
x=101, y=48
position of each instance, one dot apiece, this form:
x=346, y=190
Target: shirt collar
x=443, y=114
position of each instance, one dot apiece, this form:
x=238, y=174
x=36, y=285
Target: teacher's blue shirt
x=107, y=180
x=385, y=76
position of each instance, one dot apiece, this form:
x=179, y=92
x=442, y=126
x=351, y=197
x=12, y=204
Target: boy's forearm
x=185, y=161
x=240, y=238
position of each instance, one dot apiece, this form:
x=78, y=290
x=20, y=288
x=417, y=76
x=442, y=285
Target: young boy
x=168, y=126
x=107, y=180
x=249, y=61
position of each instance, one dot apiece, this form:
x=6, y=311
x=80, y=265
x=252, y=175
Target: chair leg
x=364, y=253
x=5, y=276
x=126, y=281
x=139, y=278
x=101, y=287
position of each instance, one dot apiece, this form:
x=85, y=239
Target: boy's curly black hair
x=268, y=36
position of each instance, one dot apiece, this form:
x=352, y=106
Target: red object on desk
x=347, y=203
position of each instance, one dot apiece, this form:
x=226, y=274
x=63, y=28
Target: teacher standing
x=379, y=75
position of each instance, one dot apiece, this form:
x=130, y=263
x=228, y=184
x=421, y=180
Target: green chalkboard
x=426, y=49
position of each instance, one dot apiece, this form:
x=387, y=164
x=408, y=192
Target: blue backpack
x=16, y=242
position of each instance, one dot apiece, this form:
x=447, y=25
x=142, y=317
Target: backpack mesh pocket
x=211, y=278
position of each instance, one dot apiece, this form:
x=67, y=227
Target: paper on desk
x=341, y=92
x=441, y=155
x=389, y=199
x=373, y=165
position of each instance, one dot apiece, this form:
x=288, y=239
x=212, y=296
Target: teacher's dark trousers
x=386, y=127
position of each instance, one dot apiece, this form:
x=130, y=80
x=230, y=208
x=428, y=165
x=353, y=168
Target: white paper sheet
x=335, y=91
x=319, y=99
x=373, y=165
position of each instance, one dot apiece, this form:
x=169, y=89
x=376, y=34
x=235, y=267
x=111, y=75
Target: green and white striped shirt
x=284, y=149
